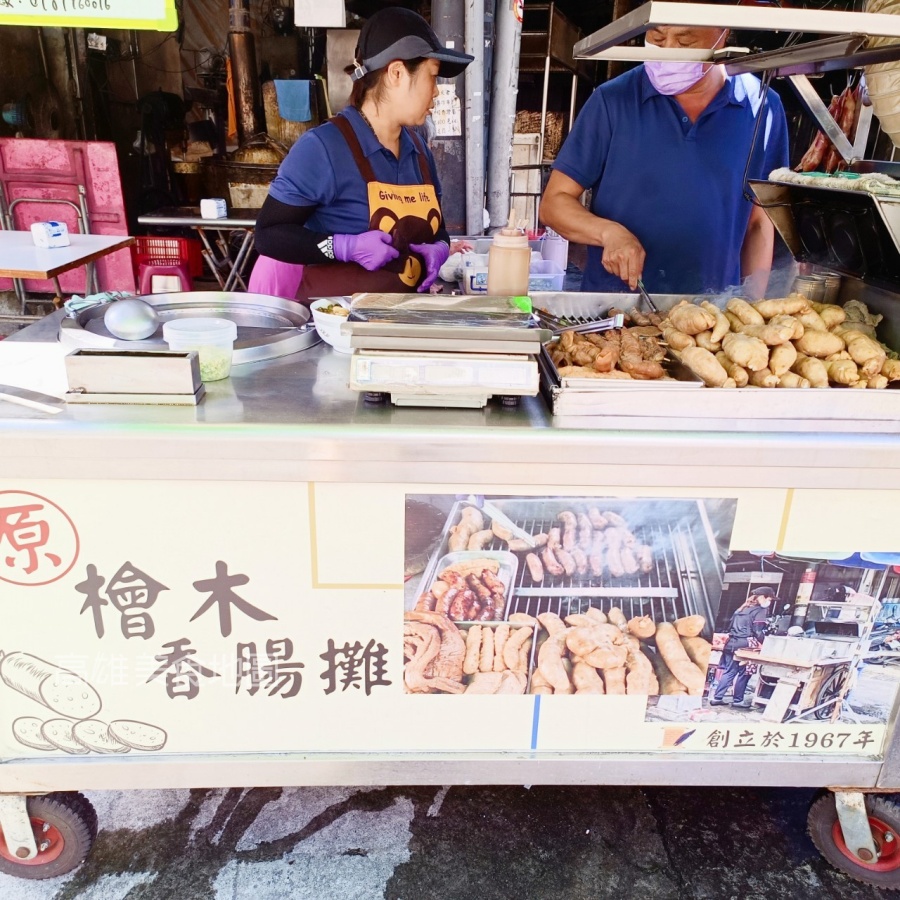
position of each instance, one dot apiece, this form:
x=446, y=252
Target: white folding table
x=20, y=258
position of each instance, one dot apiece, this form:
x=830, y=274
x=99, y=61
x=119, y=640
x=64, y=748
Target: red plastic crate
x=163, y=250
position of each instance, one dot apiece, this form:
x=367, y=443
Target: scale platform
x=468, y=380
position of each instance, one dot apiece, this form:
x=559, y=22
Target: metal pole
x=544, y=102
x=448, y=22
x=572, y=101
x=475, y=118
x=504, y=88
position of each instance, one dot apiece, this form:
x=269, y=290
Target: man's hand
x=623, y=254
x=561, y=209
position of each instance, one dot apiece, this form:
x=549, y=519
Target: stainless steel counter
x=294, y=419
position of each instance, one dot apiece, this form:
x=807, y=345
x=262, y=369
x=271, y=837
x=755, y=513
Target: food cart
x=217, y=594
x=287, y=585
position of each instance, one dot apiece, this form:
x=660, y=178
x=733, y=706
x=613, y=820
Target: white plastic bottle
x=509, y=261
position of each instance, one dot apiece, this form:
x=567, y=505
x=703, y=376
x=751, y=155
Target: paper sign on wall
x=320, y=14
x=155, y=15
x=447, y=117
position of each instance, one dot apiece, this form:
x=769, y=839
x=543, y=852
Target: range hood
x=855, y=232
x=847, y=50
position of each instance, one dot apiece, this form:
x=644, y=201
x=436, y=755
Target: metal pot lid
x=268, y=327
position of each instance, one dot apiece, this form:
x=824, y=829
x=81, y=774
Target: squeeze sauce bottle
x=509, y=261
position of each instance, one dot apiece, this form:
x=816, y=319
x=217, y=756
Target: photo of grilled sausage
x=567, y=561
x=614, y=519
x=482, y=592
x=613, y=552
x=581, y=561
x=551, y=564
x=569, y=529
x=554, y=538
x=598, y=520
x=442, y=607
x=535, y=568
x=598, y=553
x=645, y=558
x=585, y=532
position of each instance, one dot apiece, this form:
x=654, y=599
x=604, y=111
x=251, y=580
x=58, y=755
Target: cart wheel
x=884, y=820
x=830, y=690
x=65, y=825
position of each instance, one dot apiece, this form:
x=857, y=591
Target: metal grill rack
x=687, y=573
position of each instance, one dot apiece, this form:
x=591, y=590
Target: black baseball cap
x=762, y=592
x=398, y=33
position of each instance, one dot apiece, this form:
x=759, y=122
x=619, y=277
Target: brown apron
x=409, y=213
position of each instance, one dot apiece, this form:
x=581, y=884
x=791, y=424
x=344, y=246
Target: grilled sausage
x=550, y=561
x=645, y=558
x=613, y=552
x=585, y=532
x=554, y=538
x=596, y=558
x=535, y=568
x=427, y=602
x=598, y=521
x=568, y=562
x=629, y=561
x=442, y=607
x=581, y=561
x=570, y=529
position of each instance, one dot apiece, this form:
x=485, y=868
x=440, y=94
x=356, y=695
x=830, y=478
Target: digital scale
x=420, y=357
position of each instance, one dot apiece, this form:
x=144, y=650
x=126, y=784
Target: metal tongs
x=501, y=518
x=557, y=326
x=646, y=297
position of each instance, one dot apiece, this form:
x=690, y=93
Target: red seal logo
x=38, y=541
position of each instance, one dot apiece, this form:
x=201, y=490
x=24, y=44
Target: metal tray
x=509, y=567
x=680, y=377
x=268, y=327
x=679, y=405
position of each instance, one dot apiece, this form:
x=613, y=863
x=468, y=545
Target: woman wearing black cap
x=748, y=623
x=356, y=202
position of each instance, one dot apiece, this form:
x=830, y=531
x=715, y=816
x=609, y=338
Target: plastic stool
x=179, y=269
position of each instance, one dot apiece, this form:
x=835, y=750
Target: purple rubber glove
x=371, y=249
x=435, y=255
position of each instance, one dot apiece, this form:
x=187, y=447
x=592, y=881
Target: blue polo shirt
x=676, y=185
x=320, y=171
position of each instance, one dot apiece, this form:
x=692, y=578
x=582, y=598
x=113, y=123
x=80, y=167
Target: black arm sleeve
x=281, y=234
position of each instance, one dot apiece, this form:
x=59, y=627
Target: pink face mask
x=672, y=78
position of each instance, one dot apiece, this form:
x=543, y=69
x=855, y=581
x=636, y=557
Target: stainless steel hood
x=852, y=27
x=851, y=231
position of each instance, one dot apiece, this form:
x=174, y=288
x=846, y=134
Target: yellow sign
x=155, y=15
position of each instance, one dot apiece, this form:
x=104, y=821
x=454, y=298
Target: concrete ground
x=458, y=843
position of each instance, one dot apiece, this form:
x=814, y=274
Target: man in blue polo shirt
x=663, y=149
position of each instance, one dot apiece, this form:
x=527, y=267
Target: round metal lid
x=268, y=327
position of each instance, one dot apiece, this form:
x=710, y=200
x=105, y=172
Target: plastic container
x=328, y=326
x=509, y=260
x=555, y=249
x=213, y=339
x=543, y=275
